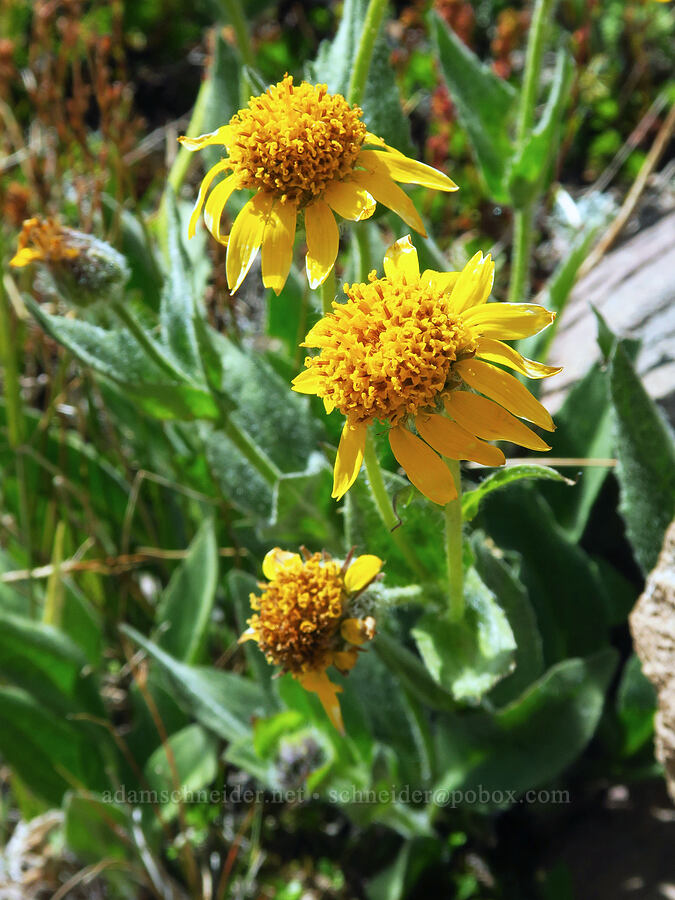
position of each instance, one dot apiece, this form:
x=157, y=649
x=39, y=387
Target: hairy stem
x=453, y=547
x=327, y=292
x=384, y=507
x=524, y=216
x=364, y=54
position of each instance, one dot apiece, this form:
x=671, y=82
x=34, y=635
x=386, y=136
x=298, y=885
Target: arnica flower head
x=83, y=268
x=304, y=152
x=307, y=618
x=418, y=351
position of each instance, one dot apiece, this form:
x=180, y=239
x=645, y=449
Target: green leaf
x=136, y=246
x=421, y=526
x=381, y=103
x=117, y=356
x=645, y=452
x=469, y=657
x=471, y=500
x=412, y=674
x=513, y=599
x=184, y=609
x=397, y=881
x=303, y=511
x=95, y=829
x=177, y=307
x=563, y=584
x=636, y=702
x=584, y=431
x=531, y=741
x=222, y=701
x=43, y=661
x=529, y=168
x=48, y=752
x=485, y=106
x=194, y=763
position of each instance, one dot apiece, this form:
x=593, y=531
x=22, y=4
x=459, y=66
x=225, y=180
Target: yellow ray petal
x=497, y=351
x=24, y=257
x=508, y=321
x=328, y=405
x=455, y=442
x=489, y=421
x=274, y=560
x=350, y=200
x=249, y=635
x=277, y=245
x=423, y=466
x=323, y=240
x=308, y=382
x=319, y=683
x=222, y=135
x=349, y=458
x=215, y=205
x=387, y=192
x=361, y=572
x=379, y=142
x=402, y=168
x=246, y=237
x=401, y=262
x=203, y=190
x=504, y=389
x=474, y=284
x=443, y=281
x=358, y=631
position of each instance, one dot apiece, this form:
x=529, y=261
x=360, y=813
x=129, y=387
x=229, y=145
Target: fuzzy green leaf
x=485, y=105
x=645, y=451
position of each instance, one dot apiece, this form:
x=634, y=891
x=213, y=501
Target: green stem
x=541, y=17
x=453, y=547
x=328, y=293
x=524, y=217
x=520, y=259
x=364, y=250
x=250, y=450
x=15, y=431
x=384, y=507
x=11, y=386
x=234, y=13
x=146, y=343
x=364, y=54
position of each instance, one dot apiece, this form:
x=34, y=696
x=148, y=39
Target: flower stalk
x=383, y=504
x=364, y=54
x=524, y=216
x=453, y=547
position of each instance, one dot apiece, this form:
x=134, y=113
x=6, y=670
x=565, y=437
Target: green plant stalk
x=250, y=450
x=453, y=547
x=519, y=286
x=13, y=405
x=328, y=293
x=389, y=518
x=234, y=13
x=137, y=330
x=524, y=217
x=364, y=54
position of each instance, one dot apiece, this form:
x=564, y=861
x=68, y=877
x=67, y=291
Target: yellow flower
x=306, y=618
x=301, y=150
x=44, y=241
x=405, y=348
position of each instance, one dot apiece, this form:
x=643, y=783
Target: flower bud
x=83, y=269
